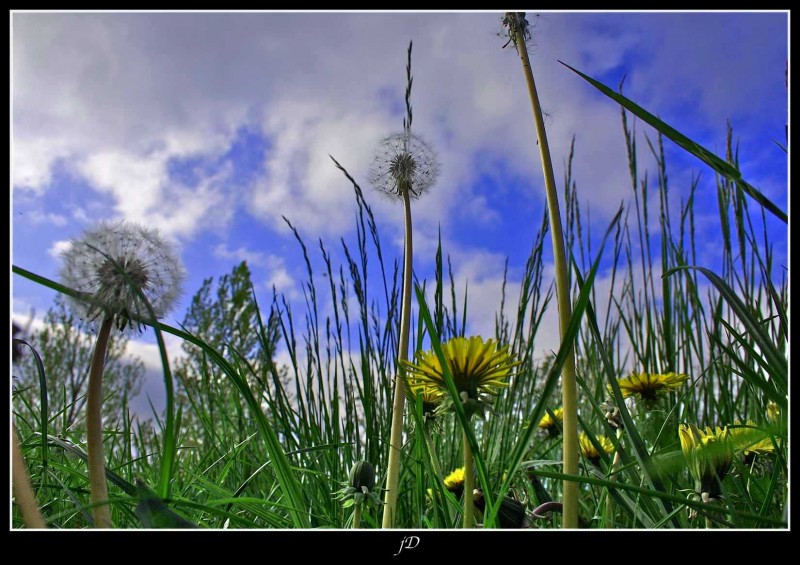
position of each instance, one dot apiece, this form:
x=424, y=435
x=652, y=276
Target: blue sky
x=213, y=126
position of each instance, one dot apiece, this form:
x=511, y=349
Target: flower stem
x=569, y=385
x=438, y=470
x=396, y=438
x=94, y=429
x=23, y=492
x=357, y=516
x=609, y=522
x=469, y=485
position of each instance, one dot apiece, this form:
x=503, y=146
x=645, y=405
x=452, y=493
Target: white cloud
x=279, y=277
x=122, y=111
x=135, y=90
x=240, y=254
x=36, y=217
x=24, y=315
x=143, y=192
x=150, y=354
x=58, y=248
x=135, y=181
x=32, y=161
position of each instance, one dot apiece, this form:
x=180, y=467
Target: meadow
x=680, y=373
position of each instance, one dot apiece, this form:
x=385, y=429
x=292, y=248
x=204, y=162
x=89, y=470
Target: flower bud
x=362, y=475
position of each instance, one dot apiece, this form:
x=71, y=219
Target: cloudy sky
x=212, y=127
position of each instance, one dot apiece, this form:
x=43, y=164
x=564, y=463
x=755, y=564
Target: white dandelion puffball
x=404, y=159
x=119, y=268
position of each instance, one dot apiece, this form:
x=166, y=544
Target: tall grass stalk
x=23, y=491
x=569, y=388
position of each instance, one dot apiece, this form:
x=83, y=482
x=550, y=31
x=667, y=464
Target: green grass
x=249, y=444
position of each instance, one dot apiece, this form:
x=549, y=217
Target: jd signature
x=408, y=542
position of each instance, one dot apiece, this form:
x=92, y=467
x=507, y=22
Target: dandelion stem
x=469, y=485
x=94, y=429
x=438, y=470
x=23, y=492
x=396, y=437
x=569, y=387
x=357, y=516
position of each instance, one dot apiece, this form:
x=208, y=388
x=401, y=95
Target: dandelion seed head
x=119, y=268
x=404, y=159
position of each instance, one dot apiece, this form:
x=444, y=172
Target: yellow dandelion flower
x=478, y=368
x=548, y=424
x=431, y=401
x=649, y=385
x=773, y=412
x=454, y=482
x=590, y=451
x=709, y=455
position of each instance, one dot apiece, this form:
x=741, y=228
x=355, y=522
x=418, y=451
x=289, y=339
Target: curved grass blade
x=44, y=411
x=777, y=363
x=722, y=167
x=744, y=371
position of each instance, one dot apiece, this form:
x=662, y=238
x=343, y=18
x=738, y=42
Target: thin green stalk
x=469, y=485
x=357, y=516
x=609, y=522
x=396, y=437
x=569, y=385
x=436, y=469
x=434, y=460
x=94, y=429
x=23, y=492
